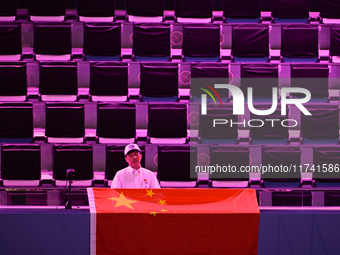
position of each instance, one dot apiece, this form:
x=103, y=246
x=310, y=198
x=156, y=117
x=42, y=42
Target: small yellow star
x=162, y=202
x=122, y=200
x=153, y=213
x=149, y=193
x=163, y=210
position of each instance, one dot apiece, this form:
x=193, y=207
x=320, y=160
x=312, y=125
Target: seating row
x=159, y=81
x=156, y=42
x=154, y=123
x=221, y=165
x=135, y=9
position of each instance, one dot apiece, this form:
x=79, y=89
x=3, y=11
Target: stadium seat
x=204, y=75
x=116, y=122
x=172, y=174
x=13, y=85
x=330, y=11
x=145, y=11
x=284, y=11
x=102, y=41
x=190, y=11
x=250, y=42
x=313, y=77
x=262, y=78
x=268, y=132
x=65, y=122
x=53, y=10
x=151, y=42
x=224, y=133
x=17, y=122
x=109, y=81
x=326, y=164
x=10, y=41
x=322, y=127
x=162, y=118
x=286, y=156
x=8, y=10
x=230, y=159
x=73, y=156
x=159, y=82
x=299, y=43
x=58, y=81
x=98, y=11
x=201, y=42
x=52, y=41
x=244, y=11
x=25, y=171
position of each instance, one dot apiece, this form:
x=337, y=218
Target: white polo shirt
x=129, y=178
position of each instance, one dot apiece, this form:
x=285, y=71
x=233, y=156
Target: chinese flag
x=173, y=221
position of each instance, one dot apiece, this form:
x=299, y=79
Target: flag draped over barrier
x=173, y=221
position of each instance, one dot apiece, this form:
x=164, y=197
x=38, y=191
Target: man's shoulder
x=122, y=170
x=147, y=170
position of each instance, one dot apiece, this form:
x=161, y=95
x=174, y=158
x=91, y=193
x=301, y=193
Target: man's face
x=133, y=158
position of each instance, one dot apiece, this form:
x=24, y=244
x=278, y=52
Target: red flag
x=176, y=221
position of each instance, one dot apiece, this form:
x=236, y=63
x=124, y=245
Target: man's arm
x=154, y=182
x=116, y=183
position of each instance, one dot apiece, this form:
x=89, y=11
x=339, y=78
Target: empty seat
x=159, y=82
x=229, y=163
x=205, y=76
x=242, y=11
x=13, y=85
x=167, y=123
x=100, y=11
x=334, y=49
x=223, y=131
x=8, y=10
x=17, y=122
x=269, y=129
x=53, y=10
x=299, y=43
x=326, y=164
x=10, y=41
x=250, y=42
x=282, y=165
x=151, y=41
x=262, y=78
x=190, y=11
x=25, y=171
x=290, y=12
x=330, y=11
x=102, y=41
x=170, y=172
x=78, y=157
x=145, y=11
x=109, y=81
x=313, y=77
x=65, y=122
x=201, y=42
x=116, y=122
x=115, y=161
x=52, y=41
x=58, y=81
x=322, y=127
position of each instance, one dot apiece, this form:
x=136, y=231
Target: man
x=134, y=176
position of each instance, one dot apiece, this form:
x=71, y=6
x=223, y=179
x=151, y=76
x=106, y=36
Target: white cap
x=131, y=147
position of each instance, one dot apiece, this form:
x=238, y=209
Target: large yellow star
x=122, y=200
x=149, y=193
x=162, y=202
